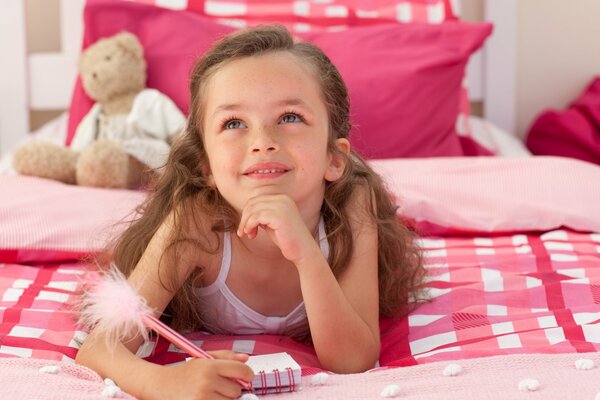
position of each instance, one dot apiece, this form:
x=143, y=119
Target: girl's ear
x=208, y=174
x=211, y=181
x=337, y=162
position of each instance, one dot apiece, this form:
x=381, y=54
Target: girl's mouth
x=268, y=170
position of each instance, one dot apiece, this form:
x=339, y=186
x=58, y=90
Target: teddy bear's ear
x=129, y=42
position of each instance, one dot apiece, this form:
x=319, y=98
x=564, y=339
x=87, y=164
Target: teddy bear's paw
x=103, y=164
x=45, y=160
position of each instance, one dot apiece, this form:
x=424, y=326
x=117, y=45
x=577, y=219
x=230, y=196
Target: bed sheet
x=489, y=295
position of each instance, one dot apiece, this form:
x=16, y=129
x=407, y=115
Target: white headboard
x=44, y=81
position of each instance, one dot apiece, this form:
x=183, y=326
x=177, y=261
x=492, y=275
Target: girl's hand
x=200, y=379
x=278, y=215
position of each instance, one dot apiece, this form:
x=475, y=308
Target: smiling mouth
x=266, y=173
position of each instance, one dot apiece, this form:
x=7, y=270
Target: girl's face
x=265, y=130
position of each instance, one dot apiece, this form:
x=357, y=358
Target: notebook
x=274, y=373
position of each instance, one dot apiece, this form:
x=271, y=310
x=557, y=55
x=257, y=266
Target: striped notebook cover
x=274, y=373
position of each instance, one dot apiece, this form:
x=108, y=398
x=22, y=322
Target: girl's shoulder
x=197, y=237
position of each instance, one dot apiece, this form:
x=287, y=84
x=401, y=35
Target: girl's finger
x=229, y=355
x=251, y=226
x=234, y=369
x=247, y=213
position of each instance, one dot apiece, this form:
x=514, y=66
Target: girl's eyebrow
x=226, y=107
x=293, y=101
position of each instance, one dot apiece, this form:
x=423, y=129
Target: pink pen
x=113, y=306
x=180, y=341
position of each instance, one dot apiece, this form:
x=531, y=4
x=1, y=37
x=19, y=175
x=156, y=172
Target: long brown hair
x=183, y=191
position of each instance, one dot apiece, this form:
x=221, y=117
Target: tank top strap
x=323, y=242
x=226, y=260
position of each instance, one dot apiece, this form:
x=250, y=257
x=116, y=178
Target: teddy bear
x=125, y=137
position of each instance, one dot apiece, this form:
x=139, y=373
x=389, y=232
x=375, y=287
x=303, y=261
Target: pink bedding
x=496, y=289
x=499, y=377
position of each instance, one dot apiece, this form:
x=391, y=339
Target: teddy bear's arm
x=155, y=115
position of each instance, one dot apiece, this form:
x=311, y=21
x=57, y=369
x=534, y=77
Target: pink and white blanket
x=524, y=376
x=503, y=303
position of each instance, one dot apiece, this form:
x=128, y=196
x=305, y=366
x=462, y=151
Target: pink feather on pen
x=117, y=312
x=113, y=308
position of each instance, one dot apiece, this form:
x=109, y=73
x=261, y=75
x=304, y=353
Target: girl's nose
x=263, y=141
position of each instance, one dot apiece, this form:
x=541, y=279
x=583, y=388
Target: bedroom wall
x=558, y=53
x=43, y=35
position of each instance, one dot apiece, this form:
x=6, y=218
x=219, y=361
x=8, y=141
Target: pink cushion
x=574, y=132
x=404, y=83
x=404, y=87
x=336, y=14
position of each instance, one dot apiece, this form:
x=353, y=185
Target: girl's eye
x=291, y=118
x=234, y=124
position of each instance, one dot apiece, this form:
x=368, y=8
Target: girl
x=264, y=221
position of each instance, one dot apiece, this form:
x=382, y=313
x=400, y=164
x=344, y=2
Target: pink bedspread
x=500, y=377
x=490, y=295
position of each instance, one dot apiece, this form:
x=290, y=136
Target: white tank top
x=224, y=313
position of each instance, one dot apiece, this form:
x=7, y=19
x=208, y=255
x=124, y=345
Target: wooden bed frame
x=44, y=81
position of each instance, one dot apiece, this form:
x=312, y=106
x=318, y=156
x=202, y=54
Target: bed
x=511, y=242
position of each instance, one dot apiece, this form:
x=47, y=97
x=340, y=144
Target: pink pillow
x=315, y=16
x=404, y=87
x=494, y=194
x=336, y=15
x=404, y=83
x=574, y=132
x=43, y=220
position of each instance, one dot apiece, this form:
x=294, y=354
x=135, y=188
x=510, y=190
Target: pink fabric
x=22, y=379
x=43, y=220
x=574, y=132
x=500, y=294
x=490, y=295
x=484, y=378
x=46, y=220
x=336, y=14
x=316, y=16
x=404, y=104
x=495, y=194
x=416, y=81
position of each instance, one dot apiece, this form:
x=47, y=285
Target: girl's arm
x=344, y=315
x=199, y=378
